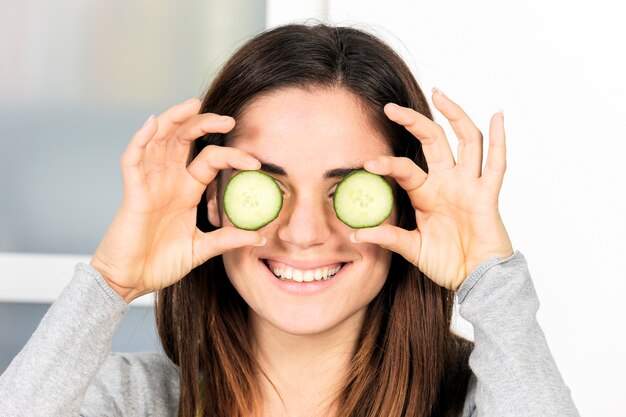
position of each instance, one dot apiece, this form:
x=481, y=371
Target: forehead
x=320, y=125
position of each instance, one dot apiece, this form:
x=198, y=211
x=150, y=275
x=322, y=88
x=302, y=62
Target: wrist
x=475, y=261
x=126, y=293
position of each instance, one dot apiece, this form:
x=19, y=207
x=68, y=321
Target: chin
x=310, y=320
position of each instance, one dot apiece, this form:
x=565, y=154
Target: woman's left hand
x=456, y=203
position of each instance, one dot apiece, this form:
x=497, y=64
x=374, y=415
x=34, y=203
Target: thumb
x=396, y=239
x=210, y=244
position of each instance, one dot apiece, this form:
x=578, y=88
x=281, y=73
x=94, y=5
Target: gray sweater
x=66, y=369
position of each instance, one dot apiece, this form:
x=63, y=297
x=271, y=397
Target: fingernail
x=224, y=119
x=262, y=242
x=251, y=162
x=149, y=119
x=435, y=91
x=371, y=164
x=353, y=238
x=191, y=100
x=392, y=106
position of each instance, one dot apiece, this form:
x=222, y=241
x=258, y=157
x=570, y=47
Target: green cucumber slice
x=252, y=199
x=363, y=199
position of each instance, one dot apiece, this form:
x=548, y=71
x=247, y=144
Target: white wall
x=557, y=69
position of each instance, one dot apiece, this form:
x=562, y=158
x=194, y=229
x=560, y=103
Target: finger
x=193, y=128
x=430, y=134
x=213, y=158
x=169, y=120
x=132, y=158
x=403, y=242
x=211, y=244
x=470, y=150
x=495, y=165
x=406, y=173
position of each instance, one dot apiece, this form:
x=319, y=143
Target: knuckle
x=400, y=164
x=405, y=161
x=209, y=152
x=411, y=119
x=473, y=136
x=437, y=132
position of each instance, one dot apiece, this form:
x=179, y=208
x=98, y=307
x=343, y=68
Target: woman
x=307, y=105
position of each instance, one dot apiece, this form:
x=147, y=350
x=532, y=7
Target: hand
x=456, y=203
x=153, y=241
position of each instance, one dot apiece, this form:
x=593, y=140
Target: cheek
x=371, y=275
x=377, y=260
x=234, y=265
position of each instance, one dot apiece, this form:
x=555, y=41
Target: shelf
x=40, y=278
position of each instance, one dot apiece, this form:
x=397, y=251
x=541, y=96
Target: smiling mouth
x=287, y=273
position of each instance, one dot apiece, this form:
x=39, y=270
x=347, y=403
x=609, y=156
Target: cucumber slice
x=363, y=199
x=252, y=199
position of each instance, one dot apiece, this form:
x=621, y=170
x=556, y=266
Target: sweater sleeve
x=51, y=374
x=514, y=371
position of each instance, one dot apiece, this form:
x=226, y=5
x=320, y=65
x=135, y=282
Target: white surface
x=557, y=69
x=39, y=278
x=279, y=12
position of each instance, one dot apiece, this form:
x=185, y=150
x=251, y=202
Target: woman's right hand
x=153, y=240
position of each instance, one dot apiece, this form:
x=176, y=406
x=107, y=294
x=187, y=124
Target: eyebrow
x=333, y=173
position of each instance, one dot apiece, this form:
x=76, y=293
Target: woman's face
x=308, y=141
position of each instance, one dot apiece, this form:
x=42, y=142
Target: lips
x=305, y=272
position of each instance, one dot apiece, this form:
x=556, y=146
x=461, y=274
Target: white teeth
x=297, y=275
x=318, y=274
x=309, y=276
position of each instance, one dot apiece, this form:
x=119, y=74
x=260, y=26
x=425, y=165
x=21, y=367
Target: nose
x=305, y=222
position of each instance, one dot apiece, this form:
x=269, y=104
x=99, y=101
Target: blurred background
x=78, y=78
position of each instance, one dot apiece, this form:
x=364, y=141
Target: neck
x=304, y=374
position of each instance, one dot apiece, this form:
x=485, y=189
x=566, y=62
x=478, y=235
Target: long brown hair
x=407, y=361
